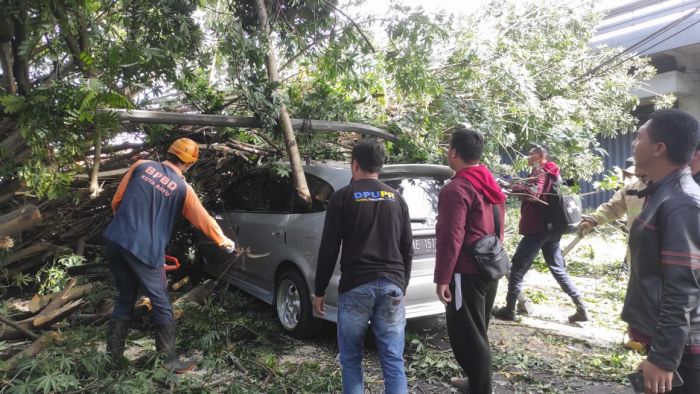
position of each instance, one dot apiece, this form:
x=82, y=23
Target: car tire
x=293, y=306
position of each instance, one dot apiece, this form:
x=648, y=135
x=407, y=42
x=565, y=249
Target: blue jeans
x=130, y=274
x=380, y=302
x=525, y=254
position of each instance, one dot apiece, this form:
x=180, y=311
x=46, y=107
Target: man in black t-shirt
x=371, y=221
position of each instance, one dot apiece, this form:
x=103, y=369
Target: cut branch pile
x=58, y=306
x=48, y=310
x=75, y=224
x=30, y=239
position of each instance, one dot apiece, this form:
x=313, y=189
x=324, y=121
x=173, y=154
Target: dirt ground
x=539, y=353
x=241, y=349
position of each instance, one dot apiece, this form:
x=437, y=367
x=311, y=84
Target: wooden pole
x=160, y=117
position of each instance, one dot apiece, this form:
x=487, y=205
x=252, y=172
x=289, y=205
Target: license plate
x=423, y=246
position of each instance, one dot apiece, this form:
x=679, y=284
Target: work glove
x=229, y=246
x=585, y=226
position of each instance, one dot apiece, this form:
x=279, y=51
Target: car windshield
x=421, y=195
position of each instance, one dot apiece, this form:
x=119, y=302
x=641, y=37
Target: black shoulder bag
x=488, y=252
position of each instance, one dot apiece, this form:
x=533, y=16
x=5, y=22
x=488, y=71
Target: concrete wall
x=691, y=103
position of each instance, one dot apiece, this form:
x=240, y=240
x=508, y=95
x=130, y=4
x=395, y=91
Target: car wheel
x=293, y=304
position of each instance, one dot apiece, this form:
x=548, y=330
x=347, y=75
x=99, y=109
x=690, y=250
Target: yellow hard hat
x=185, y=149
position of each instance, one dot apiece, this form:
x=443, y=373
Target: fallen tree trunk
x=9, y=332
x=23, y=267
x=44, y=320
x=29, y=251
x=9, y=189
x=91, y=318
x=196, y=296
x=18, y=327
x=59, y=299
x=19, y=220
x=38, y=302
x=283, y=120
x=31, y=351
x=177, y=285
x=55, y=308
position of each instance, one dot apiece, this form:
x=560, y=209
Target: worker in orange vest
x=148, y=200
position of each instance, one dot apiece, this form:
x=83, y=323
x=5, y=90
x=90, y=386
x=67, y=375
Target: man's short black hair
x=469, y=144
x=676, y=129
x=369, y=154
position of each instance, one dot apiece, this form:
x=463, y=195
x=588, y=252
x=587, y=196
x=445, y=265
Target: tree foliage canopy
x=519, y=73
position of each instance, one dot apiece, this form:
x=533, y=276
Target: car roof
x=338, y=174
x=393, y=171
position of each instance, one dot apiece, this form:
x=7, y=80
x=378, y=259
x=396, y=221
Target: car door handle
x=276, y=234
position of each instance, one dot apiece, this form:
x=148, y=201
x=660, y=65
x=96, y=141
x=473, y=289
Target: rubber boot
x=581, y=312
x=165, y=344
x=506, y=313
x=116, y=339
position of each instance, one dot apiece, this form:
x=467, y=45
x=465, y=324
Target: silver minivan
x=261, y=210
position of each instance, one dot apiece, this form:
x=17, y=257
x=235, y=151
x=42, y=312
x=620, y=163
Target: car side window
x=272, y=194
x=240, y=196
x=321, y=192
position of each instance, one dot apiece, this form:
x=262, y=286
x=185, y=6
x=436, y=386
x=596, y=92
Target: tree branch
x=6, y=64
x=57, y=72
x=301, y=53
x=20, y=65
x=59, y=11
x=6, y=33
x=359, y=30
x=94, y=186
x=269, y=142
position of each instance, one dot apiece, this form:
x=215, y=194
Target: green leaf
x=11, y=104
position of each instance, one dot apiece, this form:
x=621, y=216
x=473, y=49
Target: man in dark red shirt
x=538, y=234
x=465, y=215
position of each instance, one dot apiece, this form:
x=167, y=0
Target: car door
x=263, y=229
x=305, y=229
x=235, y=201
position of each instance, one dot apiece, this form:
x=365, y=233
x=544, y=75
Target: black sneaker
x=525, y=307
x=504, y=313
x=580, y=315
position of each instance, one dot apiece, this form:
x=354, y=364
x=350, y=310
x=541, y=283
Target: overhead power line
x=592, y=72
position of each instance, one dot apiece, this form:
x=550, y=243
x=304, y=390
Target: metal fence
x=619, y=149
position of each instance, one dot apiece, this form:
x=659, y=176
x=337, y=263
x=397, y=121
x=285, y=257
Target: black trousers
x=689, y=369
x=130, y=274
x=468, y=330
